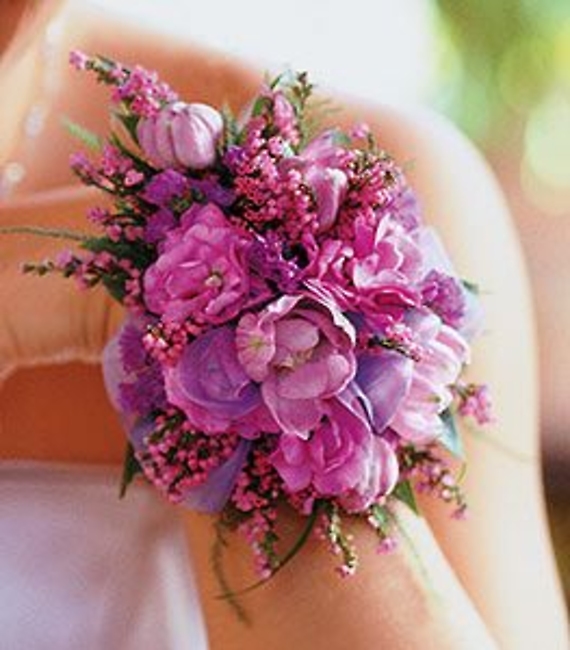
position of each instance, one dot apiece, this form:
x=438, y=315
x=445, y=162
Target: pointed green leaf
x=404, y=492
x=87, y=137
x=131, y=468
x=451, y=439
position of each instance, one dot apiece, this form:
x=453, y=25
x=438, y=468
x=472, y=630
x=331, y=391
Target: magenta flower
x=211, y=387
x=301, y=350
x=341, y=458
x=181, y=135
x=201, y=273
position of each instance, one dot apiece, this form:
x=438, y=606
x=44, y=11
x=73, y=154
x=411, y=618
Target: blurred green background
x=503, y=75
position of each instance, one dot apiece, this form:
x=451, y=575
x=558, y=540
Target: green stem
x=418, y=560
x=291, y=553
x=52, y=233
x=218, y=567
x=519, y=456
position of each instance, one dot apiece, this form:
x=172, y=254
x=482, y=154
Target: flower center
x=215, y=279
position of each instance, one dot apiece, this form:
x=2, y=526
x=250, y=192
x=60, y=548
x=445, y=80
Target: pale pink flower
x=181, y=135
x=301, y=350
x=444, y=352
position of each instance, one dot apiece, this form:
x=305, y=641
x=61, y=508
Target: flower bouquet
x=294, y=333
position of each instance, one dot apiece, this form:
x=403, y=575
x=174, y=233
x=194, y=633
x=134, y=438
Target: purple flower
x=181, y=135
x=384, y=379
x=445, y=296
x=133, y=380
x=165, y=186
x=341, y=458
x=457, y=306
x=265, y=259
x=405, y=209
x=210, y=386
x=201, y=272
x=301, y=350
x=158, y=225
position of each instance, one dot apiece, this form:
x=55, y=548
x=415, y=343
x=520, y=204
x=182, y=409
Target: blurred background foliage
x=504, y=77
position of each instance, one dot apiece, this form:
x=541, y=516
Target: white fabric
x=81, y=569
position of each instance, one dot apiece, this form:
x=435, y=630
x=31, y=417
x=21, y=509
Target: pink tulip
x=181, y=135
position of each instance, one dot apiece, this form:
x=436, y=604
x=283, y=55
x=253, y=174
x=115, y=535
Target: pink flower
x=341, y=458
x=301, y=350
x=444, y=354
x=384, y=253
x=320, y=162
x=201, y=272
x=475, y=402
x=181, y=135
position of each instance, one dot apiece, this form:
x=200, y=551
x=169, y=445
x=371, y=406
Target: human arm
x=496, y=552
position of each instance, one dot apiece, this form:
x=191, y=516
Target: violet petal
x=212, y=495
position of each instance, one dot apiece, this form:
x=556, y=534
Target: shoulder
x=195, y=70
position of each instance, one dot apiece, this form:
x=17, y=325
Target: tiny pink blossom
x=475, y=402
x=78, y=60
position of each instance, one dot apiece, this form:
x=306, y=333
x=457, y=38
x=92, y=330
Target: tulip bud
x=181, y=135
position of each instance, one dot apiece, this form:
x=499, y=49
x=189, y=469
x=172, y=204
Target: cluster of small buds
x=99, y=216
x=329, y=529
x=255, y=495
x=144, y=93
x=374, y=181
x=258, y=486
x=107, y=72
x=175, y=458
x=266, y=190
x=475, y=402
x=85, y=170
x=396, y=336
x=140, y=89
x=432, y=475
x=380, y=519
x=259, y=532
x=91, y=268
x=165, y=341
x=401, y=338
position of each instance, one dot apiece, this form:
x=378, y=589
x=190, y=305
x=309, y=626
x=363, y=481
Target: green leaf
x=87, y=137
x=471, y=287
x=130, y=122
x=231, y=128
x=131, y=468
x=451, y=439
x=404, y=492
x=382, y=518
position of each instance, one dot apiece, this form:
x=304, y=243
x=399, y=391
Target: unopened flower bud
x=181, y=135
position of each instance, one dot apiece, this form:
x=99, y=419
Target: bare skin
x=495, y=578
